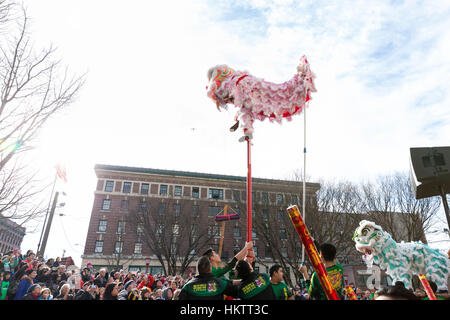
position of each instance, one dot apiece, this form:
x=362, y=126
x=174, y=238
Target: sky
x=382, y=77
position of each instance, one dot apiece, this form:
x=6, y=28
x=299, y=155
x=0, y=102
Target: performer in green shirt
x=334, y=270
x=280, y=288
x=219, y=271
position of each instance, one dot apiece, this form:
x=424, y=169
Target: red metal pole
x=249, y=191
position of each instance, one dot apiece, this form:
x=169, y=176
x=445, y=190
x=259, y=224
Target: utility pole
x=47, y=229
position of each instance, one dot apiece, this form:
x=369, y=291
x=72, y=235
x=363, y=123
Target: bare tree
x=173, y=230
x=392, y=204
x=33, y=88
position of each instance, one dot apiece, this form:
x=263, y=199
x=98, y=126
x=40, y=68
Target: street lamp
x=147, y=263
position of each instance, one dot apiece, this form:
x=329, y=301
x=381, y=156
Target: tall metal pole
x=46, y=215
x=49, y=224
x=304, y=176
x=249, y=191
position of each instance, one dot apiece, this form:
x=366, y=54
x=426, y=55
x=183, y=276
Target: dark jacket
x=83, y=295
x=100, y=282
x=29, y=296
x=256, y=287
x=207, y=287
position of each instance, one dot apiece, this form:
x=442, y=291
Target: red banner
x=312, y=252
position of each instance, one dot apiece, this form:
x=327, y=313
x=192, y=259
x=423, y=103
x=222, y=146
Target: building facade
x=11, y=235
x=113, y=239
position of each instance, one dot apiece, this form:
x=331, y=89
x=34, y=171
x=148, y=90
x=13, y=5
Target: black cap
x=208, y=252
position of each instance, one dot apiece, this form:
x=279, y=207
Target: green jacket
x=4, y=289
x=220, y=272
x=207, y=287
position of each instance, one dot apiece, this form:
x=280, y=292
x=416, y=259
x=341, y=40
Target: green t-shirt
x=221, y=271
x=281, y=291
x=336, y=276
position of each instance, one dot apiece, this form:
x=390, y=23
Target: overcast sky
x=383, y=77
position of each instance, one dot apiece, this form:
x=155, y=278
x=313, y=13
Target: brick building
x=121, y=189
x=11, y=235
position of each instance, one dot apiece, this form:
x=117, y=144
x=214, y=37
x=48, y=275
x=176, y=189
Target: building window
x=216, y=194
x=294, y=199
x=140, y=229
x=255, y=250
x=195, y=192
x=195, y=230
x=195, y=211
x=109, y=186
x=126, y=187
x=236, y=195
x=279, y=199
x=176, y=229
x=178, y=191
x=162, y=208
x=163, y=189
x=265, y=197
x=143, y=206
x=159, y=229
x=177, y=209
x=121, y=227
x=280, y=215
x=213, y=211
x=106, y=205
x=284, y=252
x=98, y=247
x=138, y=248
x=268, y=252
x=237, y=232
x=124, y=205
x=118, y=247
x=144, y=188
x=213, y=231
x=265, y=214
x=283, y=235
x=102, y=225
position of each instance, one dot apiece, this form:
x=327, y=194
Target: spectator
x=101, y=281
x=111, y=292
x=25, y=283
x=4, y=285
x=87, y=292
x=129, y=285
x=167, y=294
x=396, y=292
x=280, y=288
x=145, y=294
x=33, y=292
x=64, y=293
x=45, y=294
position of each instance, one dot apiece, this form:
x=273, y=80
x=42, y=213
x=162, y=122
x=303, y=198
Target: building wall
x=11, y=235
x=231, y=185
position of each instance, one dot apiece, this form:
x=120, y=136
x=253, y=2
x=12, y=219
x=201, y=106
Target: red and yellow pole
x=427, y=287
x=311, y=250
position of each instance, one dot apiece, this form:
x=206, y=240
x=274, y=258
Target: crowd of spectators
x=26, y=277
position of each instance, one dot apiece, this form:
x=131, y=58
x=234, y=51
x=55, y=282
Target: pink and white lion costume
x=256, y=98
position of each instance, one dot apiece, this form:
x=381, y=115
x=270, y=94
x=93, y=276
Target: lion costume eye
x=364, y=231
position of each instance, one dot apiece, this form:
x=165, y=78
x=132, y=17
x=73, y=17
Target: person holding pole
x=335, y=273
x=214, y=258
